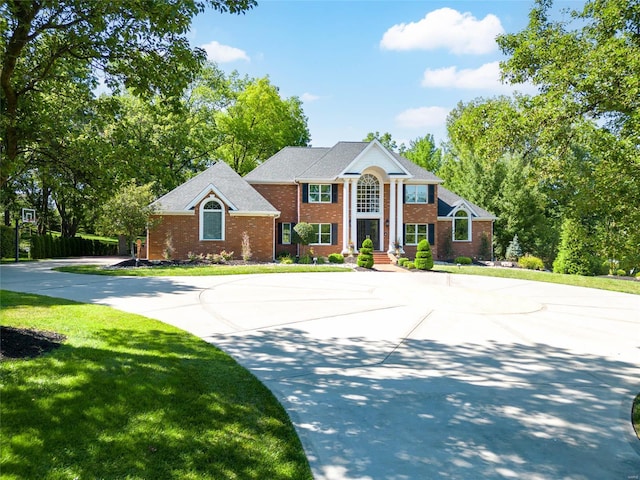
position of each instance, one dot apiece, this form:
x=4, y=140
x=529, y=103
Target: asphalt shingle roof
x=293, y=163
x=226, y=181
x=447, y=201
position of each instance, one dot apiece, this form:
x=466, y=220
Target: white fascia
x=206, y=192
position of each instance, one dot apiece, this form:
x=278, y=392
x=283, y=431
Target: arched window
x=368, y=194
x=461, y=226
x=211, y=220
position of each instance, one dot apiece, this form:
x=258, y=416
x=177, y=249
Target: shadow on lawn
x=143, y=404
x=435, y=410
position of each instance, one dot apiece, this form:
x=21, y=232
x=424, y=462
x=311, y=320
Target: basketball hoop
x=28, y=215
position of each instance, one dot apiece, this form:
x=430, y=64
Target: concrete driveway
x=413, y=375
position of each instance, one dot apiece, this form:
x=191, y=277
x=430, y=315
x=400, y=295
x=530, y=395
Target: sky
x=368, y=66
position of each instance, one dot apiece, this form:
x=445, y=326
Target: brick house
x=347, y=192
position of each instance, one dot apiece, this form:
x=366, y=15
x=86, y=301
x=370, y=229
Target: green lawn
x=198, y=271
x=613, y=284
x=127, y=397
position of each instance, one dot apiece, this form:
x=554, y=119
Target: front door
x=369, y=228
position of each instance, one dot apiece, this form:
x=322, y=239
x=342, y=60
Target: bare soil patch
x=26, y=343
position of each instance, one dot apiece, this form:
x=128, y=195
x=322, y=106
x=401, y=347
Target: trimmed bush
x=621, y=273
x=365, y=257
x=336, y=258
x=463, y=260
x=402, y=261
x=531, y=263
x=7, y=241
x=424, y=258
x=306, y=259
x=409, y=265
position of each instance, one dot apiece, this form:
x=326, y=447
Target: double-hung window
x=322, y=232
x=286, y=233
x=319, y=193
x=418, y=194
x=414, y=233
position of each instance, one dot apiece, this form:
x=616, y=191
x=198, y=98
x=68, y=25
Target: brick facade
x=471, y=249
x=184, y=232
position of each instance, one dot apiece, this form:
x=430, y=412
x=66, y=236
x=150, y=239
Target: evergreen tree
x=424, y=257
x=365, y=257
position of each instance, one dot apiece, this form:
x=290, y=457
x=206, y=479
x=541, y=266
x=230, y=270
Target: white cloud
x=485, y=77
x=445, y=28
x=422, y=117
x=309, y=97
x=217, y=52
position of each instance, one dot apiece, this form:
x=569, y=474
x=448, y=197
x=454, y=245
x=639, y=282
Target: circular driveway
x=413, y=375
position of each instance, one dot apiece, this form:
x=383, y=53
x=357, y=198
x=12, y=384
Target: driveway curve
x=395, y=376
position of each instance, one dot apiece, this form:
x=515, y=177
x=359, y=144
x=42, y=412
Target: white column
x=392, y=216
x=399, y=218
x=345, y=216
x=354, y=209
x=381, y=229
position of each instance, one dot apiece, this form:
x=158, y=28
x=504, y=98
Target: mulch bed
x=26, y=343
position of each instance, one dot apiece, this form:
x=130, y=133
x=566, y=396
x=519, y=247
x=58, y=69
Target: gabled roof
x=292, y=164
x=222, y=181
x=449, y=202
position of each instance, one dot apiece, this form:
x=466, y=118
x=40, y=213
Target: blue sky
x=366, y=66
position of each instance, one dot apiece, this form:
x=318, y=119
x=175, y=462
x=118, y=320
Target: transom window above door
x=368, y=194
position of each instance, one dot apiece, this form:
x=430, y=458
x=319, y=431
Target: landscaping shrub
x=47, y=246
x=531, y=263
x=514, y=252
x=285, y=259
x=424, y=258
x=365, y=257
x=7, y=241
x=409, y=265
x=336, y=258
x=575, y=255
x=463, y=260
x=621, y=273
x=306, y=259
x=402, y=261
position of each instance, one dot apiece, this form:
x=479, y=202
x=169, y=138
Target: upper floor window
x=418, y=194
x=368, y=194
x=211, y=220
x=319, y=193
x=461, y=226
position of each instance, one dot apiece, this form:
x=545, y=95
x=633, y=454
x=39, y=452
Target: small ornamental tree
x=365, y=257
x=424, y=257
x=514, y=251
x=304, y=233
x=128, y=212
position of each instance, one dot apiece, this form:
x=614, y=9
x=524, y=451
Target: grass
x=197, y=271
x=130, y=397
x=613, y=284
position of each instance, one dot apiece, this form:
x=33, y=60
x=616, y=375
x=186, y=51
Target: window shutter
x=404, y=234
x=404, y=193
x=432, y=232
x=305, y=193
x=279, y=233
x=334, y=234
x=334, y=193
x=431, y=193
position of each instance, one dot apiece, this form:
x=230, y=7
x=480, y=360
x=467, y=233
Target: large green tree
x=257, y=123
x=423, y=152
x=137, y=45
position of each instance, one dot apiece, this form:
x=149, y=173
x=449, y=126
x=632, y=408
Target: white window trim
x=290, y=234
x=319, y=234
x=407, y=242
x=453, y=226
x=415, y=186
x=320, y=185
x=202, y=212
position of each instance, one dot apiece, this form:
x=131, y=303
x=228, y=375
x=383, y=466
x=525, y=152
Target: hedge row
x=47, y=246
x=7, y=241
